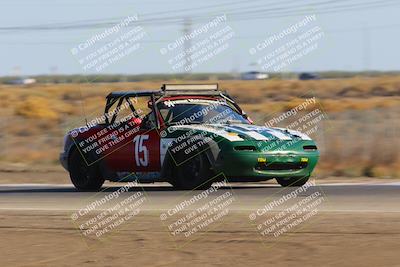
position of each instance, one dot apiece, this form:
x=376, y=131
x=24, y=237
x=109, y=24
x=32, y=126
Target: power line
x=329, y=10
x=347, y=30
x=253, y=12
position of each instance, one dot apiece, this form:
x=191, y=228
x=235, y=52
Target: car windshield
x=196, y=111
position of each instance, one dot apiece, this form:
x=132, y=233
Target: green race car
x=187, y=135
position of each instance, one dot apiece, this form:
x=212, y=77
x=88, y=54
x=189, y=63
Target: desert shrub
x=351, y=91
x=36, y=107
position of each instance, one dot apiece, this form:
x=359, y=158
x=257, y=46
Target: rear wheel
x=292, y=181
x=194, y=173
x=83, y=176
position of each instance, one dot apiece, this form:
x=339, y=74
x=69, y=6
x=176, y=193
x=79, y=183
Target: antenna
x=83, y=106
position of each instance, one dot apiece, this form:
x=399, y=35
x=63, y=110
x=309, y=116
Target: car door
x=146, y=151
x=139, y=150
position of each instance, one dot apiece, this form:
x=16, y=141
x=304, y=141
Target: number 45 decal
x=140, y=148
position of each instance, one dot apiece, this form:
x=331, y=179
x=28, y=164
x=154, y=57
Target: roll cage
x=167, y=90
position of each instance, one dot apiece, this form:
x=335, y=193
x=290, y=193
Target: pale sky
x=358, y=34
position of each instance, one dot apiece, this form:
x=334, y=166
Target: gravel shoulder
x=331, y=239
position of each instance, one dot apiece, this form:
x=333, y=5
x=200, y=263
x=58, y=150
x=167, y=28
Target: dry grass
x=362, y=137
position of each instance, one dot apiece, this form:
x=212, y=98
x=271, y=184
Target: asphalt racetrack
x=343, y=224
x=346, y=197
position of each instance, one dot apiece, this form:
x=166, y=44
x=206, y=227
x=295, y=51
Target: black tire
x=192, y=174
x=292, y=181
x=84, y=177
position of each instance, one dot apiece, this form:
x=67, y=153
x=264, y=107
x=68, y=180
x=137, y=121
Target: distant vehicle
x=22, y=81
x=308, y=76
x=254, y=75
x=190, y=135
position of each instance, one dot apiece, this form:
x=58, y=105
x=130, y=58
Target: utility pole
x=187, y=27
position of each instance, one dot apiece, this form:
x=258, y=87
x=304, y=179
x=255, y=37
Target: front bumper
x=264, y=166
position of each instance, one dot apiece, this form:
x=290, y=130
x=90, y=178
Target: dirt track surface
x=356, y=225
x=337, y=239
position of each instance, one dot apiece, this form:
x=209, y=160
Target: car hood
x=241, y=132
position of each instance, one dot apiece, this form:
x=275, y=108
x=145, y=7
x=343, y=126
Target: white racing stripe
x=294, y=132
x=278, y=134
x=212, y=130
x=255, y=128
x=251, y=131
x=253, y=134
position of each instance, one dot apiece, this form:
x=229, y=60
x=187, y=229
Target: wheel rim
x=84, y=171
x=194, y=167
x=190, y=173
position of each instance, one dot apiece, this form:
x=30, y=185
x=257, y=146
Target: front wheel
x=194, y=173
x=83, y=176
x=292, y=181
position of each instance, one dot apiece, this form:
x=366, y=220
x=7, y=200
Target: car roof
x=132, y=93
x=170, y=91
x=192, y=90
